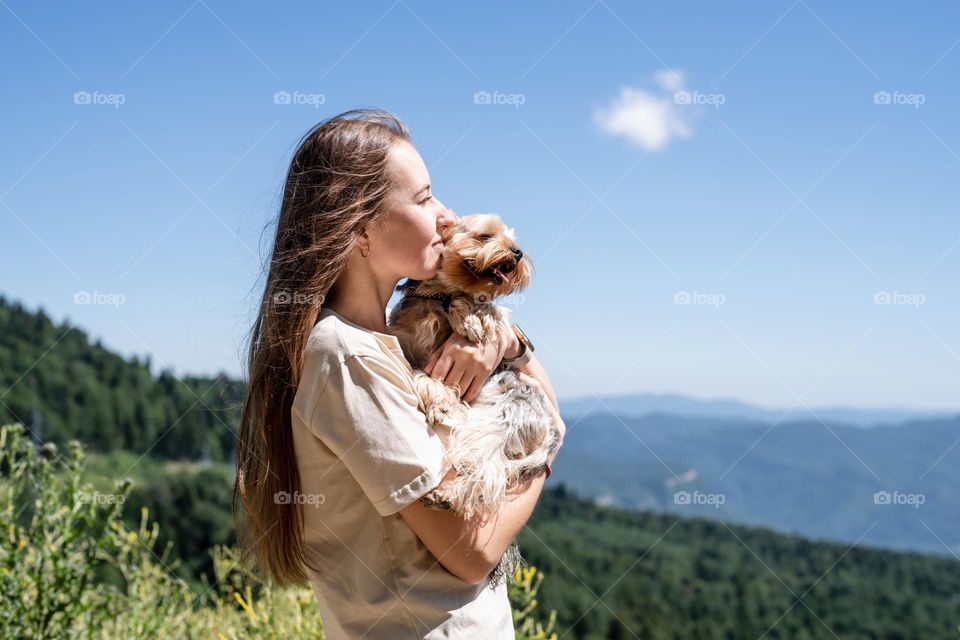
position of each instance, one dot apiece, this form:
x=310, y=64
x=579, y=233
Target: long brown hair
x=337, y=183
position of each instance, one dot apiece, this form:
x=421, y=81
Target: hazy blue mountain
x=808, y=477
x=638, y=404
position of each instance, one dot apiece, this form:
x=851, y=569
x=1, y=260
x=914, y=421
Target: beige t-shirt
x=364, y=451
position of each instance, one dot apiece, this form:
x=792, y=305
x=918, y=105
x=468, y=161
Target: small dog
x=507, y=434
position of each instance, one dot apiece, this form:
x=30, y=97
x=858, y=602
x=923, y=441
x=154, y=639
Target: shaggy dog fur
x=508, y=433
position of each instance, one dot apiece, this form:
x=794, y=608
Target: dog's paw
x=446, y=411
x=473, y=329
x=439, y=412
x=492, y=327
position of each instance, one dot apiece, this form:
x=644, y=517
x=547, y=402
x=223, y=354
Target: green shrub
x=523, y=598
x=71, y=568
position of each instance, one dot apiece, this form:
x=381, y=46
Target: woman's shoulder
x=330, y=347
x=333, y=340
x=340, y=356
x=336, y=346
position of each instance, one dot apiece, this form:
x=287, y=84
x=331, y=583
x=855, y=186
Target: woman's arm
x=470, y=549
x=535, y=370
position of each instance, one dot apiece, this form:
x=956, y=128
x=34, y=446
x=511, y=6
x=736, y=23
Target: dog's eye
x=484, y=236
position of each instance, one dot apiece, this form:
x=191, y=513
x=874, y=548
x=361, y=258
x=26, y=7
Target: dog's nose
x=517, y=254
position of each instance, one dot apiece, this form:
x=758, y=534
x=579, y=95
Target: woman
x=334, y=456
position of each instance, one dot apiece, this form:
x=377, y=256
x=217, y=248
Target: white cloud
x=670, y=79
x=646, y=118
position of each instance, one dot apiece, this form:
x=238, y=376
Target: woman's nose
x=447, y=218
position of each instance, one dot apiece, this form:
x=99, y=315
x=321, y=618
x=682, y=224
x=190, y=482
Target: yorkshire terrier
x=507, y=434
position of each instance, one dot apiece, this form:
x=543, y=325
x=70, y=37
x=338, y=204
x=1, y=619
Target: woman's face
x=406, y=240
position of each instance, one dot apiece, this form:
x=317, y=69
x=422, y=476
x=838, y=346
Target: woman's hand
x=461, y=363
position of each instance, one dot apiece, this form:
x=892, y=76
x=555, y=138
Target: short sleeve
x=369, y=417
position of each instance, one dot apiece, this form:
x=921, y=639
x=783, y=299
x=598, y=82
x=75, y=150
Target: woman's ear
x=363, y=247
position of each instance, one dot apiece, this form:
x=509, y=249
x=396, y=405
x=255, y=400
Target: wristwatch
x=526, y=354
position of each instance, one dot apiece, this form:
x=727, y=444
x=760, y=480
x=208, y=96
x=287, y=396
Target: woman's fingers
x=460, y=363
x=432, y=362
x=442, y=353
x=457, y=377
x=442, y=368
x=530, y=380
x=472, y=390
x=435, y=357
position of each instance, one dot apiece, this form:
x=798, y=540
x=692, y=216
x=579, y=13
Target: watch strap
x=525, y=355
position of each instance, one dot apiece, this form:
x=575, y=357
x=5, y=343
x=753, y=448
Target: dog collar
x=444, y=298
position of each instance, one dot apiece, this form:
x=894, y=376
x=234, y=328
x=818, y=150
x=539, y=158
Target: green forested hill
x=58, y=383
x=658, y=576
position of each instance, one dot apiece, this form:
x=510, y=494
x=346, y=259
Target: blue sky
x=738, y=157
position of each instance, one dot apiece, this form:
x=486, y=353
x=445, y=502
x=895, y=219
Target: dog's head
x=481, y=255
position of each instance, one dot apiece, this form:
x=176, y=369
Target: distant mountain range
x=639, y=404
x=894, y=487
